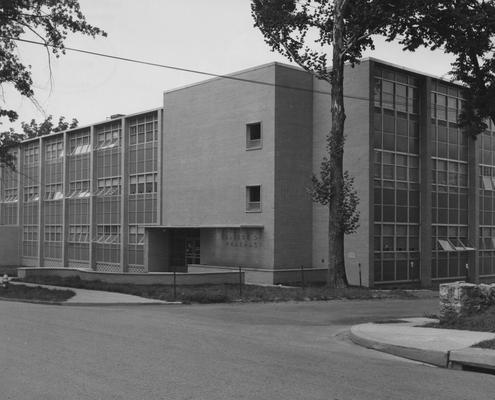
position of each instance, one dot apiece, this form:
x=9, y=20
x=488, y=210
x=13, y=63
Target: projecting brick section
x=460, y=299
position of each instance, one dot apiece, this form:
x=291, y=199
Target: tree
x=347, y=27
x=11, y=139
x=33, y=129
x=465, y=29
x=48, y=20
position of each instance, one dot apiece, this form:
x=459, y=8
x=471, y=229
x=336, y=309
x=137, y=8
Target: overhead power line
x=193, y=71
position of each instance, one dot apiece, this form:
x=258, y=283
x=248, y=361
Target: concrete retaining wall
x=165, y=278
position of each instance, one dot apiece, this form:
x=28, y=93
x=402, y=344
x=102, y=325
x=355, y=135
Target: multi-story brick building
x=218, y=177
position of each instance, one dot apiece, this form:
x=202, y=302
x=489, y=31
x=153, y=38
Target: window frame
x=254, y=144
x=253, y=206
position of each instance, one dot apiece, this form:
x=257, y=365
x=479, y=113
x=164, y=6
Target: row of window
x=30, y=233
x=396, y=96
x=78, y=233
x=31, y=193
x=54, y=192
x=397, y=266
x=390, y=237
x=53, y=233
x=8, y=214
x=449, y=265
x=108, y=135
x=31, y=154
x=108, y=233
x=445, y=107
x=79, y=145
x=448, y=141
x=143, y=183
x=81, y=233
x=9, y=195
x=392, y=166
x=54, y=150
x=449, y=173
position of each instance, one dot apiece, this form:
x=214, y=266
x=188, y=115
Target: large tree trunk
x=335, y=142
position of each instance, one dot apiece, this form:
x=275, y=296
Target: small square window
x=253, y=136
x=253, y=198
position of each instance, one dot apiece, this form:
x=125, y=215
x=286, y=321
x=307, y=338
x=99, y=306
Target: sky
x=215, y=36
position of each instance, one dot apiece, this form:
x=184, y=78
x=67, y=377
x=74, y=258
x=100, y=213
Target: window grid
x=108, y=135
x=78, y=233
x=30, y=240
x=253, y=136
x=107, y=234
x=31, y=193
x=108, y=187
x=78, y=251
x=52, y=246
x=253, y=198
x=30, y=221
x=78, y=189
x=143, y=129
x=486, y=170
x=30, y=183
x=143, y=183
x=8, y=193
x=9, y=214
x=53, y=191
x=79, y=142
x=396, y=176
x=54, y=149
x=449, y=184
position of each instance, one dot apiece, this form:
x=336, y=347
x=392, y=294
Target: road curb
x=472, y=357
x=438, y=358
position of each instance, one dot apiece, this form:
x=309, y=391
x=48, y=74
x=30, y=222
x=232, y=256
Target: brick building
x=218, y=178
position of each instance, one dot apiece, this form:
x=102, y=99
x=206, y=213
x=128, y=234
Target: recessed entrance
x=184, y=248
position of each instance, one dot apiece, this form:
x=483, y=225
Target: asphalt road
x=238, y=351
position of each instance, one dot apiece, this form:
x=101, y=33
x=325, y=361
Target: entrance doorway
x=184, y=248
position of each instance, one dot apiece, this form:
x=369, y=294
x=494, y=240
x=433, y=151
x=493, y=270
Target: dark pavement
x=236, y=351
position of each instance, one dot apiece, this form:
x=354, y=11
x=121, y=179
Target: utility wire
x=193, y=71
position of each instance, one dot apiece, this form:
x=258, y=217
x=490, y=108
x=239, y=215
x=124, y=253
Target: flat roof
x=106, y=121
x=296, y=67
x=207, y=226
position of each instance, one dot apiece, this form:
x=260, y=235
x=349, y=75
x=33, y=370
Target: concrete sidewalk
x=85, y=297
x=440, y=347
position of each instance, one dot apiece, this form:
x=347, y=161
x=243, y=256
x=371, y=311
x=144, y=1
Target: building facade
x=218, y=178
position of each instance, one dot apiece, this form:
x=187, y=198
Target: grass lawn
x=222, y=293
x=23, y=292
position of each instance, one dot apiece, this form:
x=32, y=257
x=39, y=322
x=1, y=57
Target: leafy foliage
x=33, y=129
x=303, y=30
x=321, y=193
x=10, y=139
x=466, y=30
x=49, y=20
x=306, y=32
